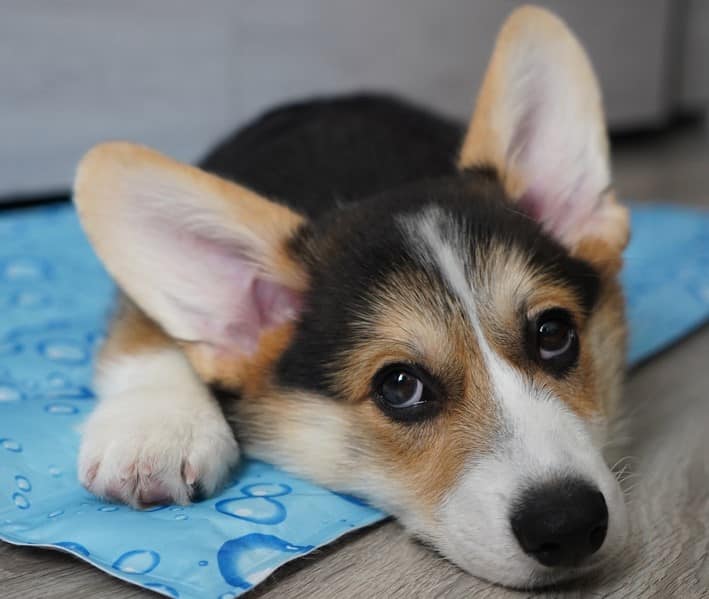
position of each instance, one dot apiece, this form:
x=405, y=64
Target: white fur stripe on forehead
x=439, y=242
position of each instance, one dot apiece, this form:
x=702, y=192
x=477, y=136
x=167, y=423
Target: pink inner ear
x=562, y=216
x=562, y=188
x=556, y=146
x=217, y=291
x=260, y=305
x=531, y=205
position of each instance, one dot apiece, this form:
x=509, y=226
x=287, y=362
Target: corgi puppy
x=367, y=296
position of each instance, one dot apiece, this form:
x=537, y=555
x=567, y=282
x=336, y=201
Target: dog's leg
x=157, y=435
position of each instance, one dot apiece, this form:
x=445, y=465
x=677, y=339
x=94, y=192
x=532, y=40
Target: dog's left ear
x=539, y=122
x=205, y=258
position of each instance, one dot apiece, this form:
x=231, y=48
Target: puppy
x=369, y=297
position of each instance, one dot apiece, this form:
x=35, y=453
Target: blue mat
x=54, y=296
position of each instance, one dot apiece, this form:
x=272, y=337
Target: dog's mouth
x=541, y=578
x=568, y=577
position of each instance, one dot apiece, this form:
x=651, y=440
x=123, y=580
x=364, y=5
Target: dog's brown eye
x=555, y=337
x=405, y=392
x=555, y=340
x=401, y=389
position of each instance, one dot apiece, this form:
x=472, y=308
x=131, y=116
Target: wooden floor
x=668, y=491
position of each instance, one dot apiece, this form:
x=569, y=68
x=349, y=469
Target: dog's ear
x=205, y=258
x=539, y=122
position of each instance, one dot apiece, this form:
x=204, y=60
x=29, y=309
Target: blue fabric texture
x=54, y=297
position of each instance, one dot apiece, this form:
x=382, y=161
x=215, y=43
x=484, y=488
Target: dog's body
x=422, y=316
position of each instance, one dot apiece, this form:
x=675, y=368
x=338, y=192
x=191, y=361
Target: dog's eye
x=555, y=340
x=405, y=392
x=401, y=389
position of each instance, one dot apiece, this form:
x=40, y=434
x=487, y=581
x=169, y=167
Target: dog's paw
x=145, y=452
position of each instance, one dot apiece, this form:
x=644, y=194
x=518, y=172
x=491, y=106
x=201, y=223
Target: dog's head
x=451, y=350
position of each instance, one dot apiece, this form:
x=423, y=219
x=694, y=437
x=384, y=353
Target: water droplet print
x=9, y=392
x=246, y=560
x=62, y=409
x=137, y=561
x=64, y=351
x=21, y=527
x=57, y=379
x=203, y=563
x=29, y=300
x=74, y=547
x=74, y=393
x=257, y=504
x=266, y=490
x=10, y=348
x=23, y=483
x=11, y=445
x=54, y=471
x=108, y=508
x=24, y=269
x=20, y=501
x=55, y=514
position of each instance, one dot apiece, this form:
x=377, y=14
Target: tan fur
x=606, y=343
x=604, y=256
x=423, y=459
x=131, y=332
x=415, y=324
x=250, y=374
x=426, y=458
x=352, y=447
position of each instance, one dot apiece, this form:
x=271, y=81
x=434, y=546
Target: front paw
x=143, y=457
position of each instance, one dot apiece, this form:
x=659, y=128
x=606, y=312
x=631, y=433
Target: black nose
x=561, y=523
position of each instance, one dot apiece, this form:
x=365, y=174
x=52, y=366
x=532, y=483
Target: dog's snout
x=561, y=523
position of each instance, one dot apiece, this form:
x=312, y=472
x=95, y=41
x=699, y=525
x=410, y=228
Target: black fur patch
x=312, y=155
x=224, y=395
x=365, y=245
x=356, y=165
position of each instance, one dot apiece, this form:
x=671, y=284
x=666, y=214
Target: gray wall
x=177, y=75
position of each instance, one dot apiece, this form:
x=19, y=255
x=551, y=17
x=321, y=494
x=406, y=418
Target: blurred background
x=178, y=75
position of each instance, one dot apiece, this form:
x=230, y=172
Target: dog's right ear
x=539, y=123
x=205, y=258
